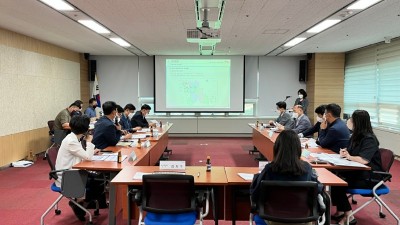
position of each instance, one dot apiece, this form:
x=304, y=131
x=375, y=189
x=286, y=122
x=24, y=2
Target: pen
x=198, y=174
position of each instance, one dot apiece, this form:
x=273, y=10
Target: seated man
x=334, y=133
x=61, y=122
x=106, y=132
x=71, y=152
x=320, y=111
x=128, y=113
x=91, y=110
x=139, y=119
x=301, y=122
x=284, y=118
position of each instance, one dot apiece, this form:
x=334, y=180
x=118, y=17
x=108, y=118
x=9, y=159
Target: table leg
x=112, y=201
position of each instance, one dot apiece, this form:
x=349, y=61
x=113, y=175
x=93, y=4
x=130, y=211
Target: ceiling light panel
x=294, y=41
x=58, y=5
x=362, y=4
x=94, y=26
x=121, y=42
x=323, y=25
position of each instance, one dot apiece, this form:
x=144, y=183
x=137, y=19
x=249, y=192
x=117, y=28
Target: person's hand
x=344, y=153
x=152, y=124
x=271, y=122
x=323, y=125
x=128, y=136
x=124, y=132
x=300, y=135
x=89, y=138
x=137, y=128
x=118, y=127
x=96, y=151
x=280, y=127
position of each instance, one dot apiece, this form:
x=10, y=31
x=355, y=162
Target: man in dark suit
x=333, y=133
x=139, y=119
x=106, y=132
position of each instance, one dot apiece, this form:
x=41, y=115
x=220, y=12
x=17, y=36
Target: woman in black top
x=302, y=100
x=363, y=148
x=286, y=165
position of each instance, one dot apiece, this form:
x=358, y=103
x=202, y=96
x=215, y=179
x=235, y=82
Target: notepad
x=335, y=159
x=113, y=157
x=246, y=176
x=139, y=175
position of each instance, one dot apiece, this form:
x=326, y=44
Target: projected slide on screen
x=198, y=83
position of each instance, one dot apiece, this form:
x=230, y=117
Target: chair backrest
x=51, y=156
x=73, y=183
x=288, y=201
x=168, y=193
x=387, y=158
x=50, y=124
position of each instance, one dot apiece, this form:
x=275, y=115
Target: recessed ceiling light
x=94, y=26
x=362, y=4
x=294, y=42
x=120, y=41
x=58, y=5
x=322, y=26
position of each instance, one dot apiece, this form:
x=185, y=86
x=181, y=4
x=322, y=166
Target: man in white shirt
x=71, y=151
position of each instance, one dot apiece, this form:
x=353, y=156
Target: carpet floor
x=25, y=192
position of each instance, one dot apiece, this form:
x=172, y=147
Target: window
x=249, y=109
x=372, y=82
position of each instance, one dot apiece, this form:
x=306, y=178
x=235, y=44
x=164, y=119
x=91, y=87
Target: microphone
x=287, y=96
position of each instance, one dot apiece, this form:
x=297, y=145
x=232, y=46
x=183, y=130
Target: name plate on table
x=172, y=165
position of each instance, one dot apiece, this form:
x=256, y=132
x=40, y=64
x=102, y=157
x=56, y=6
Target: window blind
x=372, y=83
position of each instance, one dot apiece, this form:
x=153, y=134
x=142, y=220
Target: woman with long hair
x=286, y=165
x=363, y=148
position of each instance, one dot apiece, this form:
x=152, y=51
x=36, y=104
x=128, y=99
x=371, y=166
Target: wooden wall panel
x=17, y=146
x=325, y=82
x=85, y=83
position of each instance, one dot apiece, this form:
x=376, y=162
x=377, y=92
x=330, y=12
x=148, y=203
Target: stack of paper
x=113, y=157
x=246, y=176
x=336, y=160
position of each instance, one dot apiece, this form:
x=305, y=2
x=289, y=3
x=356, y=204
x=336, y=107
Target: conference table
x=145, y=156
x=225, y=180
x=264, y=139
x=214, y=181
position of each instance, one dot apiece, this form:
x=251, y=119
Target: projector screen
x=199, y=84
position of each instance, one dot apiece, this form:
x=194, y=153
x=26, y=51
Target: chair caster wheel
x=57, y=211
x=354, y=202
x=381, y=215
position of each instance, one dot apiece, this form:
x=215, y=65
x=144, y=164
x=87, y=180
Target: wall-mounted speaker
x=303, y=69
x=309, y=56
x=92, y=69
x=86, y=56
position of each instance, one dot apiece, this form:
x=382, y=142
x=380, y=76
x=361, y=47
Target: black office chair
x=50, y=124
x=171, y=199
x=289, y=202
x=380, y=188
x=73, y=185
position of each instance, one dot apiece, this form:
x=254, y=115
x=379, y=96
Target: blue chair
x=73, y=185
x=289, y=202
x=380, y=188
x=171, y=199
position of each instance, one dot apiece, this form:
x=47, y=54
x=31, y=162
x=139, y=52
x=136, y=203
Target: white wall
x=269, y=79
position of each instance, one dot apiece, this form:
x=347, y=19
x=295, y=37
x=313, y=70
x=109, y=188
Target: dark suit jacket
x=312, y=130
x=138, y=120
x=105, y=133
x=335, y=136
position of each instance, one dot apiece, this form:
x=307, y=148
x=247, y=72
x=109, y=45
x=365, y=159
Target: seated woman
x=286, y=165
x=71, y=152
x=363, y=148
